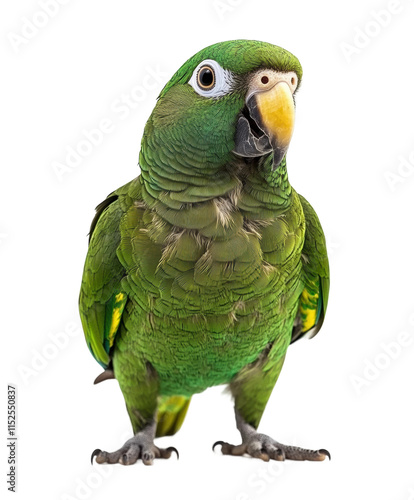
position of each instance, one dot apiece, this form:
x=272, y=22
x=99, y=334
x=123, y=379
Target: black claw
x=94, y=454
x=326, y=452
x=218, y=443
x=106, y=375
x=172, y=449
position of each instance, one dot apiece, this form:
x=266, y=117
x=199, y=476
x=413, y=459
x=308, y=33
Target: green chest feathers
x=220, y=293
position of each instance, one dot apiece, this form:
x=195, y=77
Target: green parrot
x=207, y=266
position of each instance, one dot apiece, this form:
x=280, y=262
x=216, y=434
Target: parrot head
x=229, y=101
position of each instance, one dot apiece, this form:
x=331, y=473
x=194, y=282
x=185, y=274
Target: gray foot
x=141, y=446
x=266, y=448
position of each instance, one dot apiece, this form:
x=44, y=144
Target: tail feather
x=171, y=414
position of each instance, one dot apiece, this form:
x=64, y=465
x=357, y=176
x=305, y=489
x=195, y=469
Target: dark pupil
x=206, y=77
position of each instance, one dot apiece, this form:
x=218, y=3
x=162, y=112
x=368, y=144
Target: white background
x=354, y=129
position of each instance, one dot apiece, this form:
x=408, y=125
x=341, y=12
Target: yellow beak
x=277, y=111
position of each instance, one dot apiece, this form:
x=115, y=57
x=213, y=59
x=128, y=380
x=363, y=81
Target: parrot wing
x=101, y=300
x=314, y=298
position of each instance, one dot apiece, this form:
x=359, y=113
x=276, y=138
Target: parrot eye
x=206, y=78
x=209, y=79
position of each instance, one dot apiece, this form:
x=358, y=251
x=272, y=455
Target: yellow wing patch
x=119, y=304
x=308, y=307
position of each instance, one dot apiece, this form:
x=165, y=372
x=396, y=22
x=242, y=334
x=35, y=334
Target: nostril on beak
x=265, y=79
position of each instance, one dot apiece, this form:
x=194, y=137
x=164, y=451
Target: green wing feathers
x=101, y=300
x=314, y=298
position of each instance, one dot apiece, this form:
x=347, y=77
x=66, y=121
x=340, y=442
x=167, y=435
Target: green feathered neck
x=183, y=183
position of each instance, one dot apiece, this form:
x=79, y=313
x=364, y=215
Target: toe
x=167, y=452
x=95, y=453
x=260, y=454
x=294, y=453
x=256, y=450
x=238, y=450
x=130, y=456
x=324, y=453
x=226, y=448
x=108, y=458
x=218, y=443
x=275, y=453
x=231, y=449
x=147, y=457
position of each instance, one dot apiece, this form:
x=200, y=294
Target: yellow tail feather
x=171, y=414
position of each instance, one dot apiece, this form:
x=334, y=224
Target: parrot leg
x=140, y=446
x=251, y=389
x=264, y=447
x=140, y=386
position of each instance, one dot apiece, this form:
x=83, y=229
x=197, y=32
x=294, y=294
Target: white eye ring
x=222, y=80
